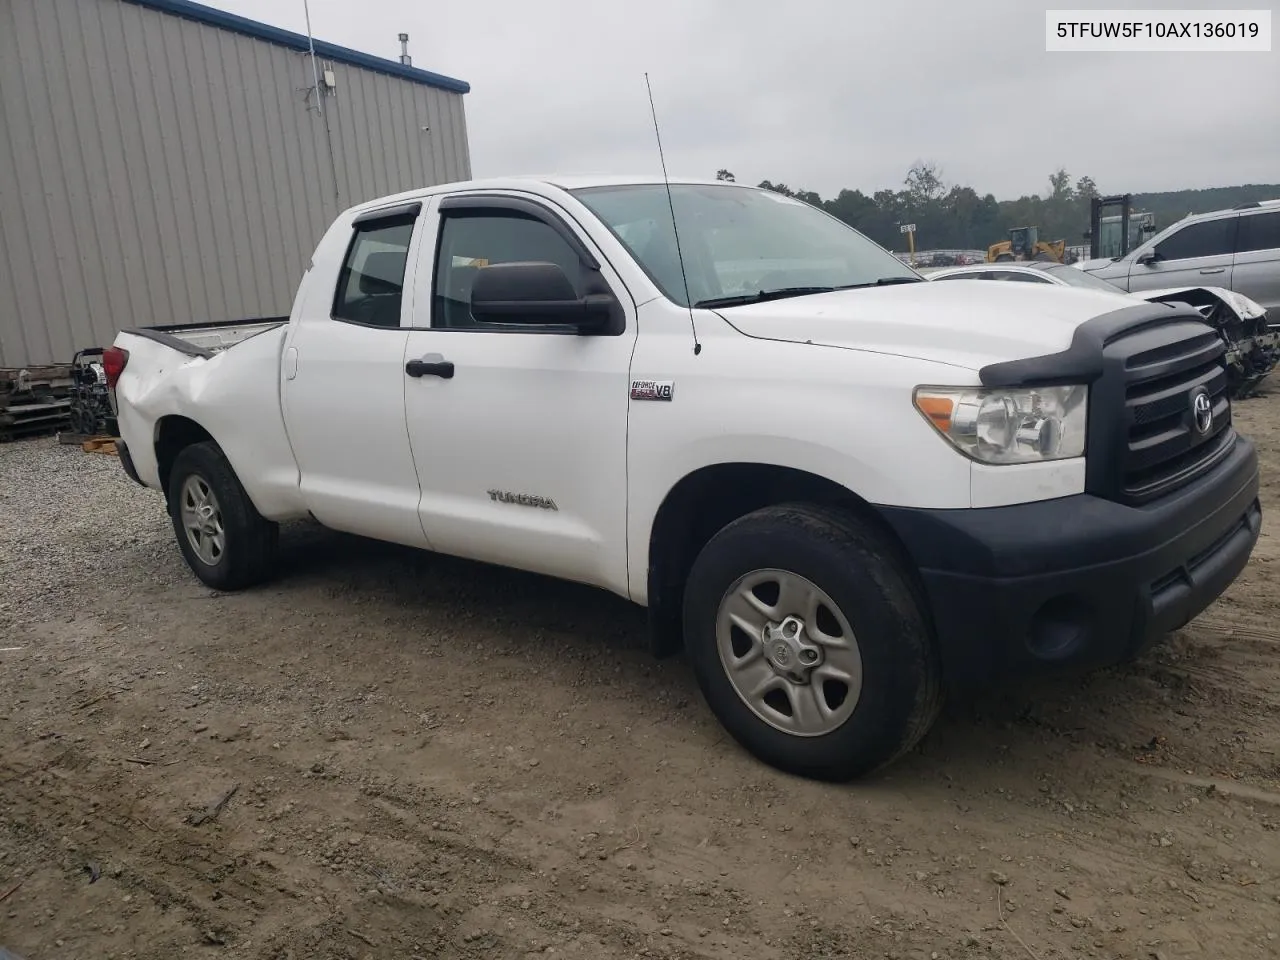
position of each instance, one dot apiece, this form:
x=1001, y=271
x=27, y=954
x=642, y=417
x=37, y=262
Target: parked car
x=1238, y=249
x=840, y=488
x=1252, y=342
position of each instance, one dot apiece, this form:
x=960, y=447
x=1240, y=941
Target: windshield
x=1079, y=278
x=738, y=242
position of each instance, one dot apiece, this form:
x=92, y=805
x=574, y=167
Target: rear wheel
x=809, y=643
x=225, y=541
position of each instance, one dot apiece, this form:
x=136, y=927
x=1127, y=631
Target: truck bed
x=207, y=339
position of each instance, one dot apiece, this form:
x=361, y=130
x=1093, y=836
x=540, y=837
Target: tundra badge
x=652, y=389
x=524, y=499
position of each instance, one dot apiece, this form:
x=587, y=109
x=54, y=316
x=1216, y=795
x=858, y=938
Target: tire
x=244, y=553
x=896, y=687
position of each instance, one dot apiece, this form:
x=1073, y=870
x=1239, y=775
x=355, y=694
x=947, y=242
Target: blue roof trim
x=298, y=41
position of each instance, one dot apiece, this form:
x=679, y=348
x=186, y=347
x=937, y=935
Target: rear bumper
x=1079, y=581
x=126, y=461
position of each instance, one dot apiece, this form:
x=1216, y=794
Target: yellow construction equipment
x=1024, y=243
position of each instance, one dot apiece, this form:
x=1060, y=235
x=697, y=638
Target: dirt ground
x=432, y=758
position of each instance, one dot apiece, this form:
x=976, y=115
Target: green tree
x=957, y=217
x=781, y=188
x=723, y=174
x=1060, y=185
x=924, y=182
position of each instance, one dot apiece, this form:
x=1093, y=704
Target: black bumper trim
x=126, y=462
x=1079, y=581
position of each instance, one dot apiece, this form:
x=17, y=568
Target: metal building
x=165, y=162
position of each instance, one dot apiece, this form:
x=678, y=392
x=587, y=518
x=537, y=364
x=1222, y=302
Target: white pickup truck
x=841, y=490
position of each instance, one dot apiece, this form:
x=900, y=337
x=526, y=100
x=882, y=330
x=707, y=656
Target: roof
x=539, y=184
x=297, y=41
x=587, y=181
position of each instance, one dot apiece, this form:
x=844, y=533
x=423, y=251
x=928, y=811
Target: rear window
x=1075, y=277
x=1259, y=231
x=372, y=279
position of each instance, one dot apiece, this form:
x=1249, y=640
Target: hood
x=1095, y=264
x=964, y=323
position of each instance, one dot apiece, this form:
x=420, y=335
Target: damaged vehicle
x=1253, y=344
x=840, y=489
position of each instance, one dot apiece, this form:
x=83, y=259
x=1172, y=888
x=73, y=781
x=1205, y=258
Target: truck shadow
x=1027, y=727
x=465, y=589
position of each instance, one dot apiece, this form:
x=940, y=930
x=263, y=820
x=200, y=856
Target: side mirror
x=1146, y=258
x=535, y=293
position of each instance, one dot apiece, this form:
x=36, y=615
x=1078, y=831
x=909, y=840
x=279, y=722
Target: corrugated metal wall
x=158, y=170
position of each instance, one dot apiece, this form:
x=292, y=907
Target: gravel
x=64, y=514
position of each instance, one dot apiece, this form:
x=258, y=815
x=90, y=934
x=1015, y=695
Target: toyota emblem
x=1202, y=412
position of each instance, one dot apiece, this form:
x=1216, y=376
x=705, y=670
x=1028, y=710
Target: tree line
x=951, y=216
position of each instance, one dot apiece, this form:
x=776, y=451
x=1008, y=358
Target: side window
x=471, y=241
x=1210, y=238
x=1259, y=231
x=1021, y=277
x=371, y=281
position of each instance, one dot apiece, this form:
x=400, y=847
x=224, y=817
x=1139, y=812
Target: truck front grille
x=1143, y=436
x=1164, y=447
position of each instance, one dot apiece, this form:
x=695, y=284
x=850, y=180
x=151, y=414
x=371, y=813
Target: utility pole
x=910, y=230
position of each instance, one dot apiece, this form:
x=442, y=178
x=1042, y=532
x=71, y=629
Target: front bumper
x=1078, y=581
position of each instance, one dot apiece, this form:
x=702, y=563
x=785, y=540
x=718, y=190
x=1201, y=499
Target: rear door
x=1257, y=263
x=1198, y=254
x=343, y=383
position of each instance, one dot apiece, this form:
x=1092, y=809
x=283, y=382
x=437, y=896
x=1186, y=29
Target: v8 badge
x=652, y=389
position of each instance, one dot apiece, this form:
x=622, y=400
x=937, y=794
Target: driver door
x=519, y=431
x=1200, y=254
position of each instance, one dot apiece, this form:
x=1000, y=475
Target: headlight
x=1009, y=426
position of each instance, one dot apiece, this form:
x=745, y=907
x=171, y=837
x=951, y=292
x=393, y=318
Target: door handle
x=1214, y=270
x=432, y=365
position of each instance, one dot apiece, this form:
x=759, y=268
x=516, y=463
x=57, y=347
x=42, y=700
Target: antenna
x=684, y=276
x=315, y=81
x=315, y=72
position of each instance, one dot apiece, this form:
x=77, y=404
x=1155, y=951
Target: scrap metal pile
x=90, y=413
x=56, y=398
x=34, y=400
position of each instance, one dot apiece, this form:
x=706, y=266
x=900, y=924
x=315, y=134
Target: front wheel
x=809, y=643
x=225, y=541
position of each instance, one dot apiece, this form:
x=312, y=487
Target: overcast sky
x=823, y=95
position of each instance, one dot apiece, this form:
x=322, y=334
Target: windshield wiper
x=760, y=296
x=780, y=293
x=882, y=282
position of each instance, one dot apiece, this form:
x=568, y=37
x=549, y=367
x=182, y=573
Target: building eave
x=297, y=41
